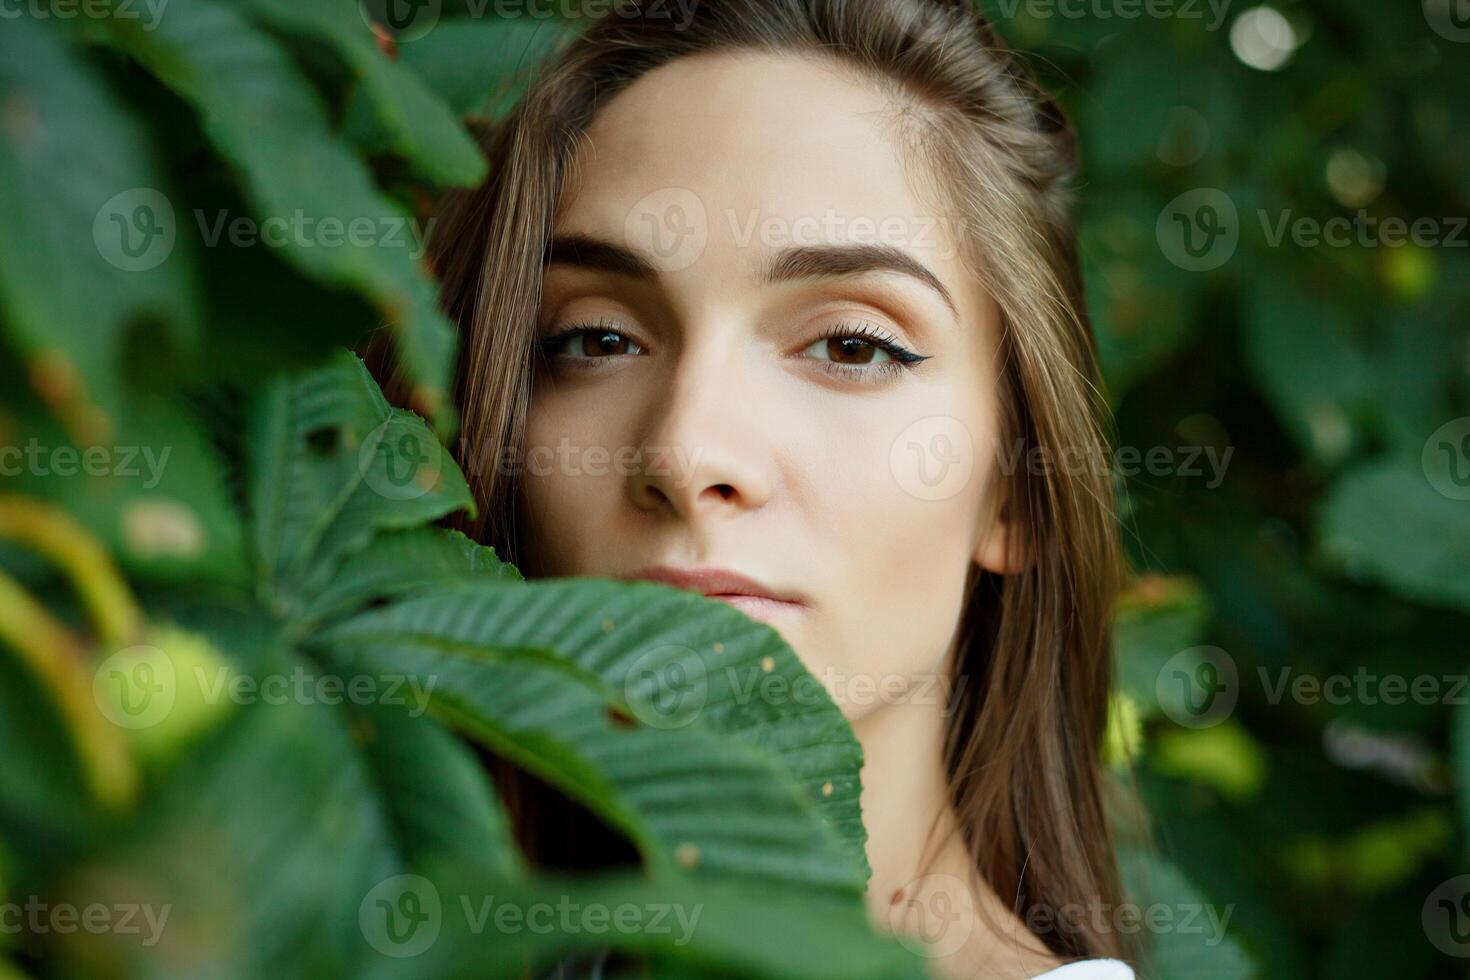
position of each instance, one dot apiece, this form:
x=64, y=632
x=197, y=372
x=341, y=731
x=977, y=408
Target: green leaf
x=1160, y=92
x=44, y=796
x=417, y=124
x=433, y=788
x=1156, y=619
x=1314, y=371
x=86, y=234
x=1460, y=757
x=669, y=684
x=267, y=837
x=494, y=928
x=1197, y=945
x=1387, y=523
x=334, y=464
x=264, y=117
x=1142, y=306
x=480, y=66
x=158, y=497
x=401, y=563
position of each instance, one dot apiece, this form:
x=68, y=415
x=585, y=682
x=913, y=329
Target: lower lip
x=760, y=608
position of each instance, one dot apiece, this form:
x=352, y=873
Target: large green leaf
x=86, y=233
x=649, y=705
x=264, y=117
x=1388, y=523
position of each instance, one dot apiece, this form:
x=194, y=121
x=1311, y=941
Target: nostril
x=724, y=490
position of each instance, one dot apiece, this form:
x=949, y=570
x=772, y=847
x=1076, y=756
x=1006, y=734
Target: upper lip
x=711, y=582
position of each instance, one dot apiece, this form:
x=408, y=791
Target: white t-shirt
x=1090, y=970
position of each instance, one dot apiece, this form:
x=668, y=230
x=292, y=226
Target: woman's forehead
x=721, y=163
x=757, y=137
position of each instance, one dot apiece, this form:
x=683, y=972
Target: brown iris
x=604, y=343
x=850, y=350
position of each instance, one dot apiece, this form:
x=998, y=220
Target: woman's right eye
x=589, y=343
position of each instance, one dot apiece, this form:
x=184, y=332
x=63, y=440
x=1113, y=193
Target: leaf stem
x=52, y=533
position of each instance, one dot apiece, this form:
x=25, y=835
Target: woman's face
x=783, y=370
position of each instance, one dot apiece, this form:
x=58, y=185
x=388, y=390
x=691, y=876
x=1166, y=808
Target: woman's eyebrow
x=590, y=252
x=815, y=261
x=804, y=262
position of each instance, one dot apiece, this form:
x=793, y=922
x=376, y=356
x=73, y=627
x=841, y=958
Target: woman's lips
x=760, y=608
x=750, y=596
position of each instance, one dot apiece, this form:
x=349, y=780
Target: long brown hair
x=1022, y=753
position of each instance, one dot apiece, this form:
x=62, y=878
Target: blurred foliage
x=1337, y=544
x=1303, y=521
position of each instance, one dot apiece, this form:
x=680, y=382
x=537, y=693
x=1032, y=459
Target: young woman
x=800, y=274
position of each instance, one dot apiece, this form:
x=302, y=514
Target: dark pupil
x=852, y=350
x=603, y=343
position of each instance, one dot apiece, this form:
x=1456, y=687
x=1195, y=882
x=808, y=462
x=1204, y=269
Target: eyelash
x=903, y=359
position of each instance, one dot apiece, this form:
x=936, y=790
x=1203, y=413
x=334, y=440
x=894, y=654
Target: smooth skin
x=764, y=446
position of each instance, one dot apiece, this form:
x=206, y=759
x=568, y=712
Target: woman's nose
x=703, y=449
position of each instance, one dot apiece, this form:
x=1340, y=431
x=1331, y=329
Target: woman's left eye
x=854, y=349
x=588, y=343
